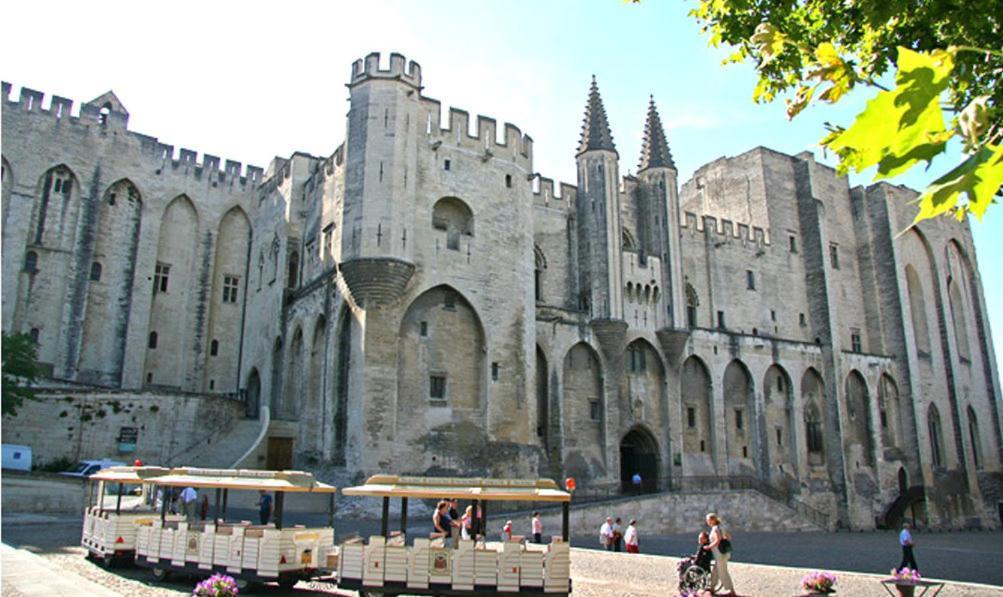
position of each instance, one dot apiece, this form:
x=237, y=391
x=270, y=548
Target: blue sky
x=252, y=80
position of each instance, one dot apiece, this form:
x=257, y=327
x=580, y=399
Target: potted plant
x=905, y=581
x=217, y=585
x=819, y=583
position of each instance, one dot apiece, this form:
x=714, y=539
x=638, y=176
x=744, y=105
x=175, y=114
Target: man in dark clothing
x=264, y=507
x=905, y=540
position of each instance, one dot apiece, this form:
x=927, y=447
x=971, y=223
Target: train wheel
x=160, y=574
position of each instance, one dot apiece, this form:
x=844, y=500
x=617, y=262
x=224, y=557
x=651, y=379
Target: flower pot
x=906, y=590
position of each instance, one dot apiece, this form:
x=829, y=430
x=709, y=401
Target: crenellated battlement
x=482, y=137
x=369, y=68
x=725, y=228
x=543, y=192
x=100, y=119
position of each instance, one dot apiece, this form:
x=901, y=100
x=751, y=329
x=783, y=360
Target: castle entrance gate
x=639, y=454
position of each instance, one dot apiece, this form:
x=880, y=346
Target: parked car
x=86, y=468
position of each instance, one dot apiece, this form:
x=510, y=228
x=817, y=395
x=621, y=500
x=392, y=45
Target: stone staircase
x=665, y=513
x=219, y=448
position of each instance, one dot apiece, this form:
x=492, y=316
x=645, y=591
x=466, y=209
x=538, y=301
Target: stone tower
x=598, y=215
x=381, y=161
x=658, y=197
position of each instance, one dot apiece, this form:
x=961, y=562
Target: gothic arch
x=935, y=429
x=890, y=412
x=692, y=302
x=226, y=303
x=695, y=387
x=441, y=352
x=778, y=394
x=312, y=438
x=252, y=393
x=109, y=294
x=455, y=217
x=858, y=432
x=640, y=454
x=974, y=437
x=174, y=271
x=276, y=381
x=959, y=318
x=629, y=244
x=917, y=309
x=645, y=384
x=542, y=399
x=815, y=416
x=342, y=385
x=294, y=369
x=740, y=415
x=583, y=412
x=56, y=209
x=540, y=265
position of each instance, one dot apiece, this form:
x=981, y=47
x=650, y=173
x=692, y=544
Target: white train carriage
x=434, y=565
x=118, y=499
x=248, y=552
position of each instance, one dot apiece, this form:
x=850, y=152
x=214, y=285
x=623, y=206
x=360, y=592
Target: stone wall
x=79, y=425
x=742, y=512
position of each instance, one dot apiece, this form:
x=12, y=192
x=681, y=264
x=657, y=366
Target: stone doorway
x=639, y=454
x=280, y=454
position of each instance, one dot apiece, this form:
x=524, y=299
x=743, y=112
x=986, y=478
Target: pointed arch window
x=31, y=262
x=96, y=272
x=936, y=436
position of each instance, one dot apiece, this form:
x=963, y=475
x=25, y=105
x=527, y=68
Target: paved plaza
x=764, y=563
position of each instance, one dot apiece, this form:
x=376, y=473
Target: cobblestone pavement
x=968, y=557
x=596, y=573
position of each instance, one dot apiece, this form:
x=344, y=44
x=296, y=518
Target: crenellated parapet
x=101, y=119
x=400, y=69
x=482, y=138
x=544, y=195
x=725, y=229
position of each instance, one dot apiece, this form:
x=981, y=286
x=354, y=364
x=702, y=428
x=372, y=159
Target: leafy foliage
x=945, y=56
x=19, y=372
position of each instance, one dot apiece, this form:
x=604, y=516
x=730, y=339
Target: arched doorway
x=639, y=454
x=253, y=394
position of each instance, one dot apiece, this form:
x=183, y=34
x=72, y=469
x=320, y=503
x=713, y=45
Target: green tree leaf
x=979, y=178
x=904, y=125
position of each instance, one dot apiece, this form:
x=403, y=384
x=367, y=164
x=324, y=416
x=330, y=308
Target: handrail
x=266, y=419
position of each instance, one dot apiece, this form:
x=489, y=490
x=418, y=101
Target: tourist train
x=128, y=519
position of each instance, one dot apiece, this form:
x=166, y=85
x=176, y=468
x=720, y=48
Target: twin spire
x=595, y=129
x=596, y=134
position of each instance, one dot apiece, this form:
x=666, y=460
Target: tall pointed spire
x=595, y=129
x=654, y=149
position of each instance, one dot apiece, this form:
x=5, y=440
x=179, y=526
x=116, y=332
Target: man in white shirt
x=905, y=540
x=537, y=528
x=630, y=538
x=188, y=498
x=606, y=534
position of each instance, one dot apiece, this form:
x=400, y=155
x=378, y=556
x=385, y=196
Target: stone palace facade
x=423, y=301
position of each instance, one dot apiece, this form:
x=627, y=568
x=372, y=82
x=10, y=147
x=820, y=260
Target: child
x=507, y=531
x=703, y=556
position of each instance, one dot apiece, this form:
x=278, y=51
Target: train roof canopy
x=285, y=481
x=532, y=490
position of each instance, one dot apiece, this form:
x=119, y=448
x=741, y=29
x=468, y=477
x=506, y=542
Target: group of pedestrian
x=183, y=501
x=447, y=521
x=613, y=537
